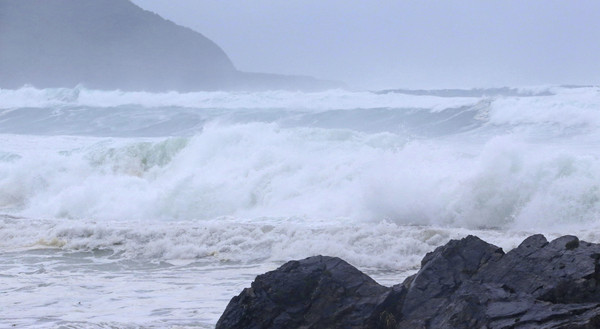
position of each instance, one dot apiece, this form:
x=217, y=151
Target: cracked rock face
x=467, y=283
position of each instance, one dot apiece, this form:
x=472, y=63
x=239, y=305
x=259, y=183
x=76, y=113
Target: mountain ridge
x=114, y=44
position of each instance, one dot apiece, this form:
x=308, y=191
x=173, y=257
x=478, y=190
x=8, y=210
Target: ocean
x=152, y=210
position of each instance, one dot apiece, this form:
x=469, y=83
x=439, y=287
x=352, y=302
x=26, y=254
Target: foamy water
x=153, y=210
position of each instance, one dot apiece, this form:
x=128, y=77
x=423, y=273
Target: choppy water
x=153, y=210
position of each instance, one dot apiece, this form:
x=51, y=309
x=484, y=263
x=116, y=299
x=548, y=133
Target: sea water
x=132, y=209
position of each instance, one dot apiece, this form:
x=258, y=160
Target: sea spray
x=137, y=209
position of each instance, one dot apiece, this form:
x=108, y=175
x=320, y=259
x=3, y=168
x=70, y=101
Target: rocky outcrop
x=317, y=292
x=114, y=44
x=467, y=283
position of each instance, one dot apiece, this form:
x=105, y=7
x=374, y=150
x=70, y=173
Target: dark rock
x=444, y=270
x=467, y=283
x=317, y=292
x=555, y=272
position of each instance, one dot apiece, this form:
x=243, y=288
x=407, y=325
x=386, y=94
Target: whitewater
x=133, y=209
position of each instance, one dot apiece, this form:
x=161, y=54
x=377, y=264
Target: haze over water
x=404, y=44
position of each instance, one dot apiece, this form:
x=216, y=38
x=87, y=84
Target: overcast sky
x=403, y=44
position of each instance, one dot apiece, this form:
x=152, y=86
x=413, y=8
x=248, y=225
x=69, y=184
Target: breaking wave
x=505, y=162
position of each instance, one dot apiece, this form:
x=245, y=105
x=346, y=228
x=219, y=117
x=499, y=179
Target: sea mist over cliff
x=114, y=44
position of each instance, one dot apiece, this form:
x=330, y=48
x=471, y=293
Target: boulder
x=317, y=292
x=466, y=283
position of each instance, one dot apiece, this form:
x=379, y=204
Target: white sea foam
x=187, y=196
x=327, y=100
x=163, y=274
x=262, y=170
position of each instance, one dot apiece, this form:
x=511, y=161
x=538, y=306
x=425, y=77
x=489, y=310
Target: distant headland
x=114, y=44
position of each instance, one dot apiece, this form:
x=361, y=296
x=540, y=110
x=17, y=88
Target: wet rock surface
x=466, y=283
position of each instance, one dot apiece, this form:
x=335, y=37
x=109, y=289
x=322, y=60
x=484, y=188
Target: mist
x=403, y=44
x=114, y=44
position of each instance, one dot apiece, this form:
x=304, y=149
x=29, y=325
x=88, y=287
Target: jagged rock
x=317, y=292
x=473, y=284
x=466, y=283
x=562, y=271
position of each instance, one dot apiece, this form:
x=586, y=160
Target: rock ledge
x=466, y=283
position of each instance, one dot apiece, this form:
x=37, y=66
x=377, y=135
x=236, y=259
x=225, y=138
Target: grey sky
x=394, y=44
